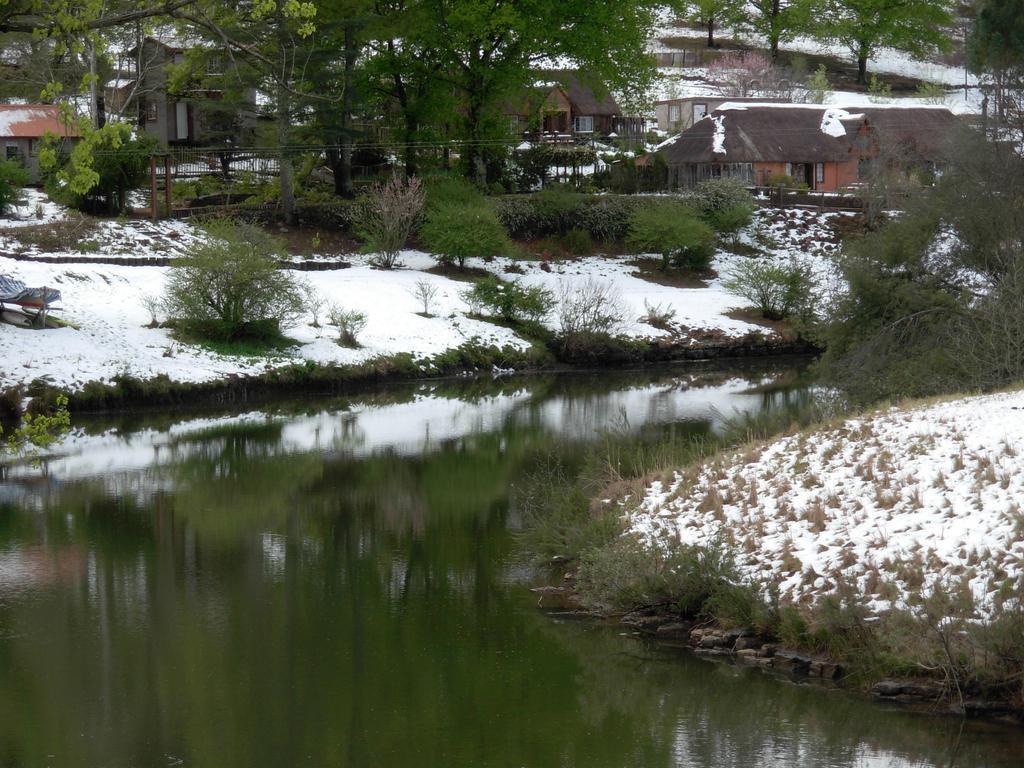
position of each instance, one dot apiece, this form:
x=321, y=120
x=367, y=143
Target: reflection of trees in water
x=708, y=714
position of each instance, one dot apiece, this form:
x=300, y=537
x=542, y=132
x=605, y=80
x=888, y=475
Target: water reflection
x=337, y=584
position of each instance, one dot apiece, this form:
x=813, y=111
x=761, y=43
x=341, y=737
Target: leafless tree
x=389, y=216
x=425, y=291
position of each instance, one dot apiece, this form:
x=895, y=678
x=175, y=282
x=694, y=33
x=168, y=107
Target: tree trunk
x=343, y=175
x=94, y=99
x=287, y=174
x=775, y=32
x=862, y=68
x=711, y=32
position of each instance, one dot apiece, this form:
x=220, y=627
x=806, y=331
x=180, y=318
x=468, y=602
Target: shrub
x=724, y=203
x=514, y=301
x=588, y=308
x=879, y=91
x=607, y=218
x=349, y=323
x=577, y=242
x=557, y=211
x=102, y=169
x=777, y=290
x=780, y=180
x=229, y=287
x=673, y=231
x=658, y=316
x=452, y=190
x=818, y=86
x=13, y=177
x=388, y=217
x=454, y=232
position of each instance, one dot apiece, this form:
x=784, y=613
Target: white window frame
x=675, y=113
x=819, y=173
x=583, y=124
x=700, y=111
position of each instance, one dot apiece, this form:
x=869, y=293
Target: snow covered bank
x=110, y=331
x=893, y=503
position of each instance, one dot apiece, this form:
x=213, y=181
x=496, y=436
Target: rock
x=674, y=629
x=791, y=661
x=712, y=640
x=747, y=653
x=887, y=688
x=747, y=643
x=768, y=650
x=825, y=669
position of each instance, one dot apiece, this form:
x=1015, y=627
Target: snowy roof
x=31, y=121
x=757, y=132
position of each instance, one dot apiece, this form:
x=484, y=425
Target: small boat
x=34, y=303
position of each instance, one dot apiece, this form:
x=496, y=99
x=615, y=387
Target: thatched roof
x=588, y=100
x=805, y=133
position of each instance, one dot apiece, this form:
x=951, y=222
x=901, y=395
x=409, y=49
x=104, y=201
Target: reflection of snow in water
x=423, y=423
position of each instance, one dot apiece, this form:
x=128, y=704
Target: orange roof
x=31, y=121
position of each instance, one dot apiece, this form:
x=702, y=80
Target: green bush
x=779, y=291
x=606, y=218
x=554, y=212
x=577, y=242
x=724, y=203
x=514, y=301
x=102, y=169
x=454, y=232
x=13, y=177
x=452, y=190
x=229, y=287
x=673, y=231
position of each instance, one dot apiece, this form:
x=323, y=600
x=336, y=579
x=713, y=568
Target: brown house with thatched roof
x=826, y=148
x=567, y=107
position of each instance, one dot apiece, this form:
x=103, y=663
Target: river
x=338, y=582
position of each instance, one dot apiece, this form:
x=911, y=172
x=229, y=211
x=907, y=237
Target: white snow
x=718, y=141
x=105, y=303
x=893, y=503
x=832, y=121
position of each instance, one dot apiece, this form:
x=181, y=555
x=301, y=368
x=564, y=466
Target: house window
x=679, y=59
x=11, y=151
x=819, y=173
x=674, y=113
x=700, y=111
x=584, y=124
x=789, y=170
x=152, y=114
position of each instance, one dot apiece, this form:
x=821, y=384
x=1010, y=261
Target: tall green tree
x=272, y=38
x=997, y=37
x=777, y=21
x=491, y=49
x=863, y=26
x=712, y=14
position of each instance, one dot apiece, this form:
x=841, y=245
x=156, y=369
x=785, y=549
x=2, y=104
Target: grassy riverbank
x=887, y=542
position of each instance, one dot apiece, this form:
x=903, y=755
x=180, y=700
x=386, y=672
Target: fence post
x=152, y=187
x=167, y=182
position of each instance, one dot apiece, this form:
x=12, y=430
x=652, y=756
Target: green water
x=339, y=583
